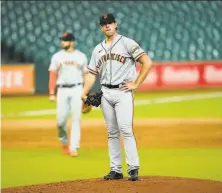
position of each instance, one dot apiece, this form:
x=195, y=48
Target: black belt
x=111, y=86
x=68, y=85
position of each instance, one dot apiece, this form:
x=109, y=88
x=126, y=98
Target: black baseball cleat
x=133, y=175
x=113, y=176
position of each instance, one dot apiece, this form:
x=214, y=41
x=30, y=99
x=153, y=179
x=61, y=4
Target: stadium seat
x=170, y=30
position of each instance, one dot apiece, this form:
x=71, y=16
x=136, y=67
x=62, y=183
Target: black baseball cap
x=107, y=18
x=67, y=37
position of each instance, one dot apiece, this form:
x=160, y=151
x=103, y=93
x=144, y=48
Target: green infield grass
x=25, y=167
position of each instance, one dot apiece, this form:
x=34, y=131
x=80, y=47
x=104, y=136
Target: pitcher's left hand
x=129, y=86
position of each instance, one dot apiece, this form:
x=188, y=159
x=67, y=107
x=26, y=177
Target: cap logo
x=65, y=34
x=105, y=16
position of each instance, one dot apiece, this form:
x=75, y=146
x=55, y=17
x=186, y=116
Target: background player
x=66, y=72
x=114, y=60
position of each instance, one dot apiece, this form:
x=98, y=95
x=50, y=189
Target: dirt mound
x=151, y=184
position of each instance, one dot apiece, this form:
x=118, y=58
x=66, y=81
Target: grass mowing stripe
x=49, y=165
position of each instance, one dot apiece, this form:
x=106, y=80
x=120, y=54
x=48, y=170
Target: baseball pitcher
x=66, y=76
x=114, y=60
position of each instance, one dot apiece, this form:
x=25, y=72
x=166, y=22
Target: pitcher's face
x=109, y=29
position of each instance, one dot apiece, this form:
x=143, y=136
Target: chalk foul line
x=162, y=100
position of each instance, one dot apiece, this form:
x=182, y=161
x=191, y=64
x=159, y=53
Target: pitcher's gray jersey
x=115, y=64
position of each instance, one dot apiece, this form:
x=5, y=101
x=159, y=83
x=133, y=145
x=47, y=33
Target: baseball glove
x=94, y=98
x=86, y=108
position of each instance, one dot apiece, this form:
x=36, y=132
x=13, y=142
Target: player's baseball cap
x=107, y=18
x=67, y=37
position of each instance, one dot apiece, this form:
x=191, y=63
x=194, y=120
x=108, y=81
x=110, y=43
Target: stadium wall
x=25, y=79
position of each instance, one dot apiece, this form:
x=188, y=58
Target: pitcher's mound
x=151, y=184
